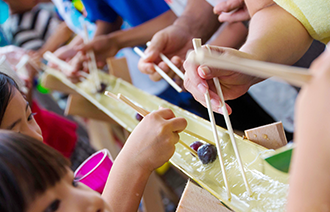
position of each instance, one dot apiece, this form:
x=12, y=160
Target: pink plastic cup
x=94, y=171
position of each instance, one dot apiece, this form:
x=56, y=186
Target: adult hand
x=199, y=78
x=104, y=46
x=79, y=64
x=196, y=21
x=65, y=53
x=232, y=11
x=173, y=41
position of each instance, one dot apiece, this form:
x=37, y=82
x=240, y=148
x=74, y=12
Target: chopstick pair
x=293, y=75
x=92, y=63
x=170, y=64
x=143, y=113
x=197, y=43
x=161, y=72
x=61, y=64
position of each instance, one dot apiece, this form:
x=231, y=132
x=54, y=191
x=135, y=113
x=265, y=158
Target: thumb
x=157, y=45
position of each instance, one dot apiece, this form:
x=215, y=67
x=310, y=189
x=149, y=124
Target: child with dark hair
x=15, y=111
x=58, y=132
x=144, y=151
x=26, y=170
x=35, y=177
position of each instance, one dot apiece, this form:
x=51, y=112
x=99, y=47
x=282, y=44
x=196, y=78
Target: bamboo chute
x=269, y=186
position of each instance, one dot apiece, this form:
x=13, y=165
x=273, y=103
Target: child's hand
x=152, y=142
x=149, y=146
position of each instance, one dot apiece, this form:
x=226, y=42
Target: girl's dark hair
x=7, y=86
x=27, y=169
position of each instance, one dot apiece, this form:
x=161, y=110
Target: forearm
x=139, y=35
x=76, y=41
x=61, y=35
x=309, y=174
x=232, y=35
x=125, y=185
x=198, y=19
x=276, y=36
x=103, y=27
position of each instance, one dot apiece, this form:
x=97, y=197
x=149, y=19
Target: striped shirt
x=31, y=29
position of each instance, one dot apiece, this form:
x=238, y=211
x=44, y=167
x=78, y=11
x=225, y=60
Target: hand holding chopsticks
x=143, y=113
x=161, y=72
x=170, y=64
x=230, y=128
x=197, y=46
x=50, y=57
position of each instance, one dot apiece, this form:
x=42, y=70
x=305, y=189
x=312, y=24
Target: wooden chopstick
x=92, y=64
x=62, y=64
x=170, y=64
x=217, y=142
x=160, y=71
x=83, y=74
x=143, y=113
x=197, y=136
x=197, y=43
x=293, y=75
x=138, y=109
x=230, y=128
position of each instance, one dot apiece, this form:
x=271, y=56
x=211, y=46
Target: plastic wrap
x=269, y=186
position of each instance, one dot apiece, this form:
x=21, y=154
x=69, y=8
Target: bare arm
x=62, y=34
x=139, y=35
x=125, y=185
x=309, y=174
x=108, y=45
x=144, y=151
x=103, y=27
x=233, y=35
x=197, y=20
x=275, y=35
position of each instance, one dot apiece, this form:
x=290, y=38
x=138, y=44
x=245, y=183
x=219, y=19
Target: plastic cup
x=94, y=171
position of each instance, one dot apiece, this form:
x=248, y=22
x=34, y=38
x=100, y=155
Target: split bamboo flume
x=269, y=186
